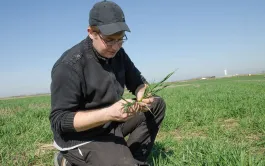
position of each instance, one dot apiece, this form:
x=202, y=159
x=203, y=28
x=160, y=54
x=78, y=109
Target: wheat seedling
x=150, y=91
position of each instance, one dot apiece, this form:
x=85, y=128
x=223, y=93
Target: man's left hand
x=144, y=103
x=140, y=92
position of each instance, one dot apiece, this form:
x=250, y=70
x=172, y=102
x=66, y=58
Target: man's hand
x=144, y=103
x=116, y=112
x=140, y=92
x=89, y=119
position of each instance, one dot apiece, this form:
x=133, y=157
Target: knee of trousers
x=159, y=107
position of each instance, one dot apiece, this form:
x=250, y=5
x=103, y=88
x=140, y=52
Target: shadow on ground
x=160, y=155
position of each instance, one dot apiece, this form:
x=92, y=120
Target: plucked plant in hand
x=150, y=91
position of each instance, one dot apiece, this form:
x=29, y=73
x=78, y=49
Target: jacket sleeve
x=65, y=95
x=132, y=75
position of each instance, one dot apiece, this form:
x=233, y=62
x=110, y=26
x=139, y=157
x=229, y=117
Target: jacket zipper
x=111, y=74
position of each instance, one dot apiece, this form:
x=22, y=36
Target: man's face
x=107, y=46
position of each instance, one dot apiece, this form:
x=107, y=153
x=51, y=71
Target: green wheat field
x=208, y=122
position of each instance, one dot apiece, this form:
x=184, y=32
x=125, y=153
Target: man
x=88, y=118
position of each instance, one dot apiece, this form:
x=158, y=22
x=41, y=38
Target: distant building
x=225, y=71
x=208, y=77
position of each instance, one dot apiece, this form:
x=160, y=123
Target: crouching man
x=87, y=117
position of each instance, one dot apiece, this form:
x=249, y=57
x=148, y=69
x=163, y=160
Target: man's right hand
x=84, y=120
x=116, y=111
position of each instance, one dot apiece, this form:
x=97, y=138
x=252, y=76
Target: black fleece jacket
x=82, y=80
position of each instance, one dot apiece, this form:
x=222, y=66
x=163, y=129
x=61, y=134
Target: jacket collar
x=92, y=52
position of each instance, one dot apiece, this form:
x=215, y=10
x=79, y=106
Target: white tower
x=225, y=72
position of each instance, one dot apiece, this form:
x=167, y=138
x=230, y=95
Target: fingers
x=137, y=107
x=142, y=104
x=131, y=114
x=148, y=100
x=128, y=115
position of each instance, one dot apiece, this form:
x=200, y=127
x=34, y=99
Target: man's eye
x=109, y=40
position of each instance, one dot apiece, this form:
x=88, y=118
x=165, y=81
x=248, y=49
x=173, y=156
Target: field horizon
x=173, y=82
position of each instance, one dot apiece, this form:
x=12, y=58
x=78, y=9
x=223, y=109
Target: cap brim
x=112, y=28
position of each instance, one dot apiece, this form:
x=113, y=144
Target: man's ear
x=91, y=33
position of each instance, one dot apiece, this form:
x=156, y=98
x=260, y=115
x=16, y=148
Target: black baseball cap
x=108, y=17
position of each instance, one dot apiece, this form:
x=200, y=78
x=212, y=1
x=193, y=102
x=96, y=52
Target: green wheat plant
x=150, y=91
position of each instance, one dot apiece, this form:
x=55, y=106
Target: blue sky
x=198, y=37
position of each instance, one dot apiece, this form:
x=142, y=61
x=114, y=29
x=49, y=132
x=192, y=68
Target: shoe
x=59, y=160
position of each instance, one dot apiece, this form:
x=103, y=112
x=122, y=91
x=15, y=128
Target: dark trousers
x=113, y=149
